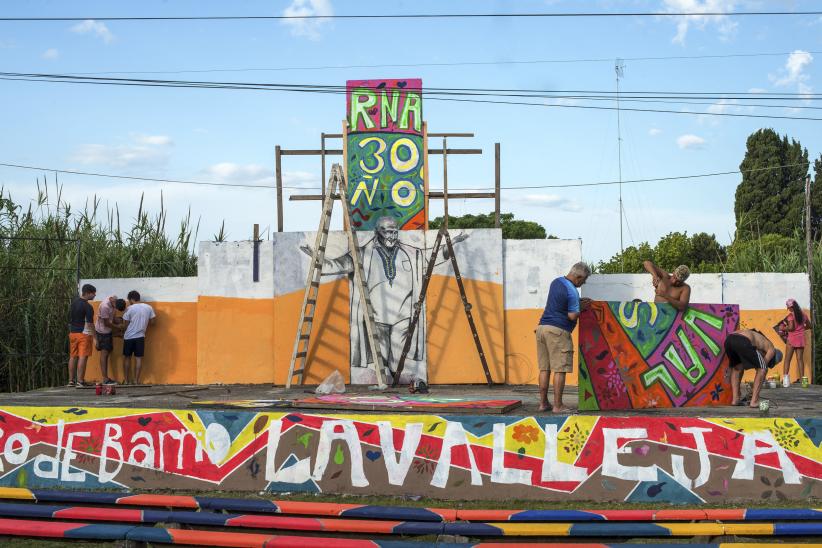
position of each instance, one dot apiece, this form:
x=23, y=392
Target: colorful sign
x=385, y=153
x=545, y=457
x=637, y=355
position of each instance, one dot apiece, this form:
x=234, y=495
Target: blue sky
x=229, y=136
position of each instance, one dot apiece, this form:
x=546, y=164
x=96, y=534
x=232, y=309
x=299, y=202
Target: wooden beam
x=279, y=177
x=496, y=185
x=457, y=151
x=311, y=152
x=338, y=152
x=445, y=181
x=433, y=194
x=425, y=188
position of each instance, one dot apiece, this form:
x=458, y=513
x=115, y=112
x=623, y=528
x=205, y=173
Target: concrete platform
x=785, y=402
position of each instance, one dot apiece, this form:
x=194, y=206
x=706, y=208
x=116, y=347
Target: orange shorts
x=80, y=345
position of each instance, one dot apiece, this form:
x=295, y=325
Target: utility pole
x=809, y=252
x=619, y=68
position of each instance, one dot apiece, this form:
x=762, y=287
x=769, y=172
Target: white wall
x=751, y=291
x=766, y=290
x=225, y=269
x=530, y=266
x=170, y=290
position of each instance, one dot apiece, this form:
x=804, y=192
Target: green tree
x=629, y=262
x=701, y=252
x=512, y=229
x=816, y=199
x=707, y=254
x=770, y=198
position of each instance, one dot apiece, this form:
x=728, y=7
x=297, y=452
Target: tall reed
x=39, y=263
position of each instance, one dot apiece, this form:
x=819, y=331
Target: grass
x=45, y=248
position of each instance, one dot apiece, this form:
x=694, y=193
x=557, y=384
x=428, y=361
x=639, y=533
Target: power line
x=453, y=64
x=417, y=16
x=523, y=187
x=431, y=95
x=336, y=88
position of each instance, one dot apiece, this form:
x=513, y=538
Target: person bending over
x=749, y=349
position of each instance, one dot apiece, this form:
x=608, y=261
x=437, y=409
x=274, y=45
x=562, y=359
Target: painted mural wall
x=635, y=355
x=385, y=153
x=671, y=459
x=203, y=323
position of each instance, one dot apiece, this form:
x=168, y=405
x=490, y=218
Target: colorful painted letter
x=385, y=153
x=635, y=355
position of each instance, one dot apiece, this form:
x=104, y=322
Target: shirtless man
x=749, y=349
x=670, y=288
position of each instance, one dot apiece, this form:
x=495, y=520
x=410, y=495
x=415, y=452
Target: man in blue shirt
x=555, y=351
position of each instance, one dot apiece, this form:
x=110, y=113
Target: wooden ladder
x=312, y=284
x=443, y=232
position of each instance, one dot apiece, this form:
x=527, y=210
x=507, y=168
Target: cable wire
x=455, y=189
x=416, y=16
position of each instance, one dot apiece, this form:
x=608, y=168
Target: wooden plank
x=432, y=194
x=496, y=184
x=457, y=151
x=425, y=187
x=311, y=152
x=278, y=170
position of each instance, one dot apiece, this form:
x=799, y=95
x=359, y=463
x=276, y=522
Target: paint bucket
x=98, y=389
x=805, y=382
x=772, y=383
x=764, y=406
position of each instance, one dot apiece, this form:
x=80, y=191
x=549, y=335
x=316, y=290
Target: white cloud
x=549, y=201
x=654, y=131
x=793, y=73
x=97, y=28
x=51, y=53
x=757, y=90
x=721, y=106
x=256, y=174
x=689, y=140
x=144, y=151
x=160, y=140
x=309, y=28
x=723, y=24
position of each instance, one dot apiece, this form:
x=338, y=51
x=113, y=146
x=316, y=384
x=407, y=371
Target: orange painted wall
x=234, y=339
x=452, y=354
x=764, y=320
x=521, y=347
x=171, y=348
x=330, y=347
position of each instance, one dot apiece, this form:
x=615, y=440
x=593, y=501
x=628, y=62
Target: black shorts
x=134, y=347
x=105, y=341
x=740, y=349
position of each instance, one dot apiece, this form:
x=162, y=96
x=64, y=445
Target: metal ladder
x=443, y=232
x=312, y=284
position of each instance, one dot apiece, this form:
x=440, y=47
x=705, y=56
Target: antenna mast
x=619, y=68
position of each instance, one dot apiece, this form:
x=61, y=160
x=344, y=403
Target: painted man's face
x=387, y=233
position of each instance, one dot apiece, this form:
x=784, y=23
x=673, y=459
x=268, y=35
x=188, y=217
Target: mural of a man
x=393, y=274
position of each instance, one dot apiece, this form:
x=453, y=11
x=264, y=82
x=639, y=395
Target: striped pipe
x=469, y=529
x=85, y=531
x=399, y=513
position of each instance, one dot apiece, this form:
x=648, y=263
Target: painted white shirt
x=137, y=315
x=391, y=299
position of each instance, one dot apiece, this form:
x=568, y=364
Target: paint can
x=98, y=389
x=772, y=383
x=805, y=382
x=764, y=406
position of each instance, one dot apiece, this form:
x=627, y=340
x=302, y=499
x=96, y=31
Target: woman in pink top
x=797, y=323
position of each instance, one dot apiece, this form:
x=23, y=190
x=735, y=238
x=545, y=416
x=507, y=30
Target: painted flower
x=573, y=439
x=525, y=433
